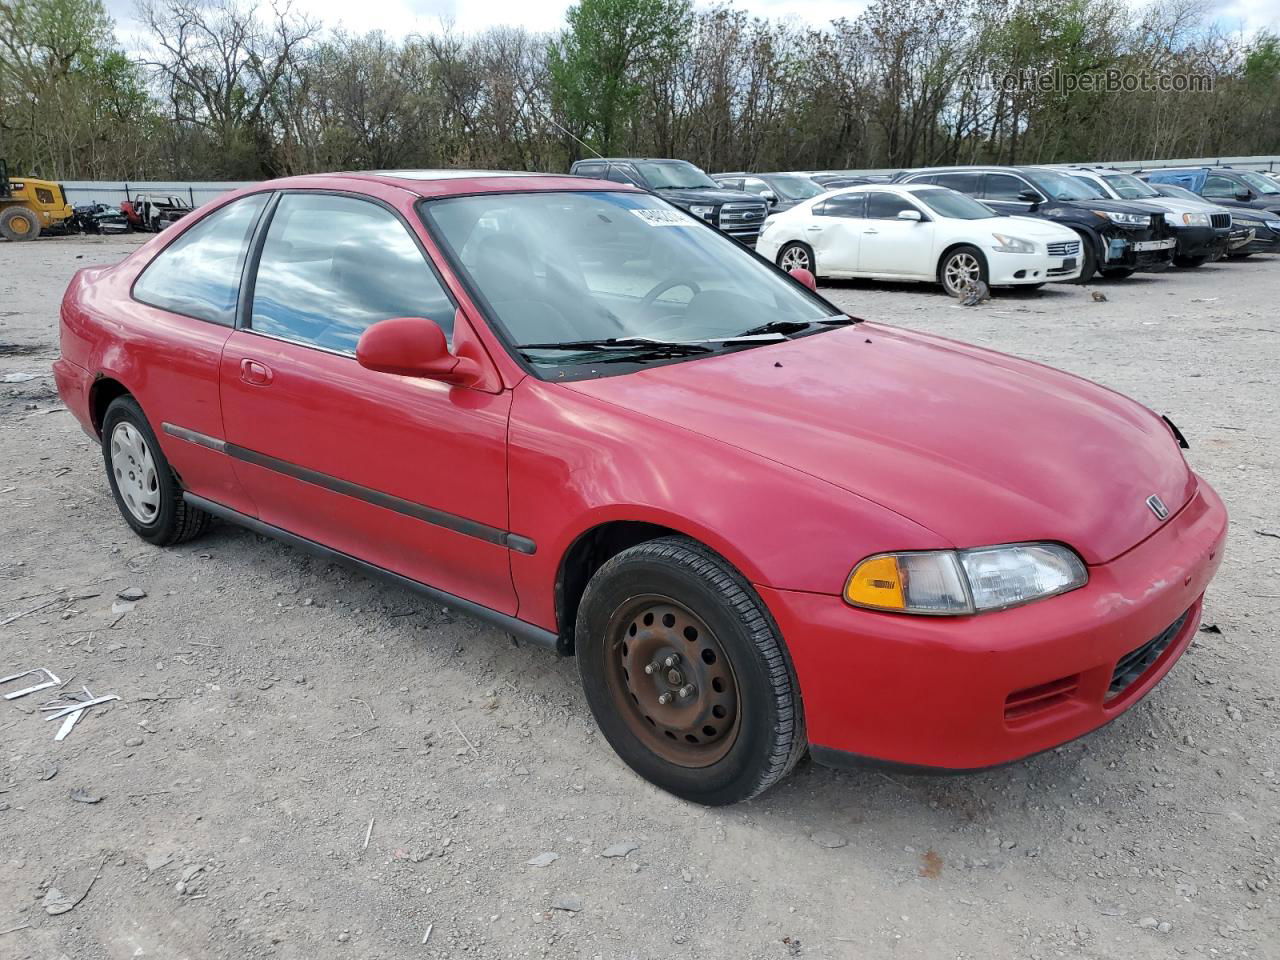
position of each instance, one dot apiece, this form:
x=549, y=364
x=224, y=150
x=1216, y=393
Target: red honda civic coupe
x=571, y=409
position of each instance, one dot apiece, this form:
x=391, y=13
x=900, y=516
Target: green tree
x=598, y=65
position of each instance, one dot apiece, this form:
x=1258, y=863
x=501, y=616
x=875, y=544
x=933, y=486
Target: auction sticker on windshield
x=663, y=218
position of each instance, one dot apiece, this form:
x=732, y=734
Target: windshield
x=1173, y=190
x=1129, y=187
x=795, y=188
x=673, y=175
x=956, y=206
x=1062, y=187
x=1259, y=182
x=559, y=268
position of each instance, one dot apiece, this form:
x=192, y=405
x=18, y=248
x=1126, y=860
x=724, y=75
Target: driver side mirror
x=770, y=198
x=1244, y=196
x=910, y=215
x=413, y=347
x=801, y=275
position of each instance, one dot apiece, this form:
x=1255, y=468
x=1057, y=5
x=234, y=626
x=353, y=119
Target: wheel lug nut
x=671, y=660
x=687, y=691
x=652, y=668
x=665, y=698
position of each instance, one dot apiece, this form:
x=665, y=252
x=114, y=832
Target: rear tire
x=146, y=489
x=677, y=608
x=19, y=223
x=797, y=256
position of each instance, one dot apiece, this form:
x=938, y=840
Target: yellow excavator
x=29, y=207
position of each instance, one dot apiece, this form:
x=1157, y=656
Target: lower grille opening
x=1137, y=662
x=1024, y=704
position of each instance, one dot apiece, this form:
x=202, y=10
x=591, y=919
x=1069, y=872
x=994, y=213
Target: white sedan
x=919, y=232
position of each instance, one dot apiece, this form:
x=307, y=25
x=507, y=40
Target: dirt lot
x=272, y=708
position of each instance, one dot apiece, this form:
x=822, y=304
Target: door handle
x=255, y=373
x=872, y=230
x=814, y=229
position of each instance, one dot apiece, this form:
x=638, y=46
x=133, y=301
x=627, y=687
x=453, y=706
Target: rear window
x=198, y=275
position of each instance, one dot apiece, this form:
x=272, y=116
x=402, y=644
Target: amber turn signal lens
x=877, y=582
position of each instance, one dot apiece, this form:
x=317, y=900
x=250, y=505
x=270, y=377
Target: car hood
x=1030, y=228
x=979, y=447
x=1112, y=206
x=708, y=195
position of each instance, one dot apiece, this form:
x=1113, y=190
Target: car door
x=1223, y=188
x=835, y=232
x=187, y=295
x=405, y=473
x=1005, y=193
x=892, y=246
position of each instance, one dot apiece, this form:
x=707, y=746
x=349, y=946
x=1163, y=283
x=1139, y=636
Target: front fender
x=576, y=463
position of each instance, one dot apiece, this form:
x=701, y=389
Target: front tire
x=960, y=268
x=1088, y=259
x=686, y=674
x=797, y=256
x=1189, y=263
x=145, y=488
x=19, y=223
x=1118, y=273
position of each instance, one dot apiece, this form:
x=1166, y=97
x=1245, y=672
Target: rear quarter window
x=198, y=275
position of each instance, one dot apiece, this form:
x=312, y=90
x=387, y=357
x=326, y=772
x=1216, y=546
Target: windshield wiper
x=785, y=327
x=628, y=345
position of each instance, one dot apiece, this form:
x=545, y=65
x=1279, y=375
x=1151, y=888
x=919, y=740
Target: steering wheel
x=671, y=283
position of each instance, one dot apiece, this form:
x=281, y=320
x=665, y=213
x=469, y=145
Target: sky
x=399, y=17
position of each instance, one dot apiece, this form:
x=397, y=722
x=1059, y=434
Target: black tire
x=767, y=722
x=173, y=520
x=1088, y=260
x=802, y=256
x=1117, y=273
x=19, y=223
x=1189, y=263
x=953, y=260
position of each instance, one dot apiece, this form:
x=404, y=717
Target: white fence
x=113, y=193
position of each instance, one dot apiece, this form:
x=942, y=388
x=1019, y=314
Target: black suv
x=687, y=187
x=1254, y=199
x=1120, y=236
x=781, y=191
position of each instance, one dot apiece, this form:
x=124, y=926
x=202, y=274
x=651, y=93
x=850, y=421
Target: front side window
x=332, y=266
x=955, y=206
x=965, y=181
x=1003, y=186
x=619, y=174
x=887, y=206
x=560, y=268
x=198, y=275
x=1220, y=187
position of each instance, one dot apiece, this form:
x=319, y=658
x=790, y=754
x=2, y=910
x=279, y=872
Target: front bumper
x=1011, y=269
x=974, y=692
x=1195, y=242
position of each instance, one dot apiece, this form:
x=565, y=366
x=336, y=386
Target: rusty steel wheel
x=672, y=681
x=686, y=673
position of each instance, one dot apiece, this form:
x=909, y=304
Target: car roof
x=434, y=183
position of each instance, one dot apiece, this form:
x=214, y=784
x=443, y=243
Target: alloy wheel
x=795, y=258
x=961, y=270
x=135, y=472
x=671, y=681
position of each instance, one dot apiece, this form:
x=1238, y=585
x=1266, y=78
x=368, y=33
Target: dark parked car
x=1244, y=223
x=1120, y=236
x=688, y=187
x=1253, y=198
x=781, y=191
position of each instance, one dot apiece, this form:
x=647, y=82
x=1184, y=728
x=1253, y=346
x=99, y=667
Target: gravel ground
x=303, y=763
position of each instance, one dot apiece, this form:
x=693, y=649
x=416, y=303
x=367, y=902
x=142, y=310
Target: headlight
x=1125, y=219
x=1273, y=225
x=1245, y=221
x=1012, y=244
x=705, y=212
x=1188, y=219
x=959, y=582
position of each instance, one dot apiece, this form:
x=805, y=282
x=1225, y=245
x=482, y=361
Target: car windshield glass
x=955, y=206
x=1062, y=187
x=674, y=175
x=1173, y=190
x=795, y=188
x=1129, y=187
x=557, y=268
x=1259, y=182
